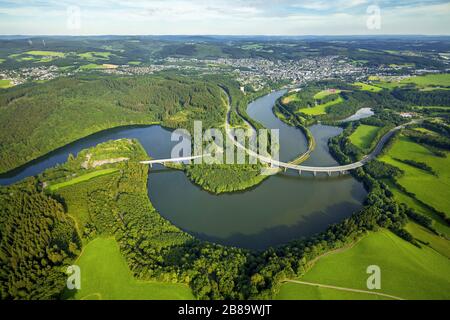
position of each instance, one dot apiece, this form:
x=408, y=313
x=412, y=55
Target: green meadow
x=426, y=237
x=427, y=187
x=426, y=82
x=367, y=87
x=291, y=98
x=407, y=271
x=92, y=66
x=105, y=276
x=434, y=80
x=46, y=53
x=431, y=107
x=94, y=56
x=82, y=178
x=364, y=135
x=4, y=84
x=321, y=109
x=298, y=291
x=325, y=93
x=426, y=131
x=37, y=56
x=438, y=223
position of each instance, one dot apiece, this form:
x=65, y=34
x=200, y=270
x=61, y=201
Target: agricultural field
x=82, y=178
x=105, y=276
x=407, y=271
x=432, y=80
x=367, y=87
x=429, y=188
x=425, y=236
x=438, y=223
x=37, y=56
x=291, y=98
x=320, y=109
x=364, y=136
x=94, y=56
x=4, y=84
x=423, y=83
x=325, y=93
x=46, y=53
x=426, y=131
x=92, y=66
x=297, y=291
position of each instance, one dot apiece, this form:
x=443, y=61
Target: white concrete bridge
x=283, y=165
x=289, y=166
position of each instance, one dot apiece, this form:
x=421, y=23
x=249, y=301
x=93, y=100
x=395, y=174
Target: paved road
x=299, y=168
x=283, y=165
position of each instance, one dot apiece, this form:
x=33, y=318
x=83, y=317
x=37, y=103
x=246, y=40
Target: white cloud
x=224, y=17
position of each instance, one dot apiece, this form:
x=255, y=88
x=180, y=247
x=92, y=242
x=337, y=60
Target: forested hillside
x=116, y=204
x=37, y=119
x=37, y=239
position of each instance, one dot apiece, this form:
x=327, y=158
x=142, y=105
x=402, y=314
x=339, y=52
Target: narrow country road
x=344, y=289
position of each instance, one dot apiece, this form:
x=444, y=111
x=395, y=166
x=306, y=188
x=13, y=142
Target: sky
x=224, y=17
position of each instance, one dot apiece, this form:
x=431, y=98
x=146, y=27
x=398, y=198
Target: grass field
x=291, y=98
x=438, y=223
x=91, y=66
x=407, y=271
x=37, y=56
x=427, y=237
x=432, y=107
x=426, y=82
x=5, y=84
x=105, y=275
x=82, y=178
x=46, y=53
x=297, y=291
x=94, y=56
x=367, y=87
x=364, y=135
x=321, y=108
x=325, y=93
x=426, y=131
x=428, y=188
x=435, y=80
x=390, y=85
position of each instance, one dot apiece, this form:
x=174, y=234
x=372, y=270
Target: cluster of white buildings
x=23, y=75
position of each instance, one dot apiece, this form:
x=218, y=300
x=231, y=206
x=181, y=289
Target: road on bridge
x=279, y=164
x=299, y=168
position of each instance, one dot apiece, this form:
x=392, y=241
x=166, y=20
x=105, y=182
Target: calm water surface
x=282, y=208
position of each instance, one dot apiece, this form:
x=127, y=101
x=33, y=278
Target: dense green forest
x=37, y=239
x=37, y=119
x=117, y=205
x=122, y=49
x=46, y=221
x=351, y=98
x=221, y=178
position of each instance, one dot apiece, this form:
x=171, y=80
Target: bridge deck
x=299, y=168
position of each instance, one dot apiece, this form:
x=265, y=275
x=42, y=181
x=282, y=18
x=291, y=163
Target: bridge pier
x=299, y=172
x=329, y=173
x=314, y=173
